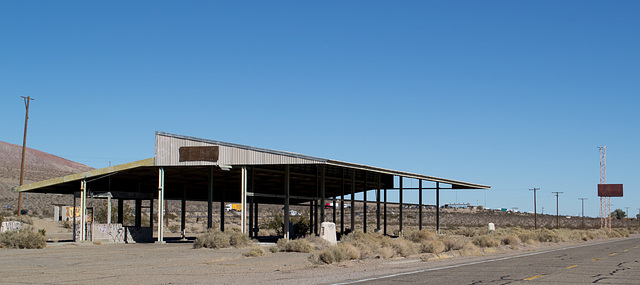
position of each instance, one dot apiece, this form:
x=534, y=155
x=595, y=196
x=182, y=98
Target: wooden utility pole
x=557, y=215
x=535, y=211
x=582, y=210
x=24, y=144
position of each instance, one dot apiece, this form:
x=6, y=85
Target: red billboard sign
x=609, y=190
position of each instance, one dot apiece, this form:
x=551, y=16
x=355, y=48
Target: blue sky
x=512, y=94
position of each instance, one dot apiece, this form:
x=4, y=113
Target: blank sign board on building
x=609, y=190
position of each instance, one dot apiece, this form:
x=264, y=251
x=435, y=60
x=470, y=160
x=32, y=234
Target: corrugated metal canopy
x=267, y=167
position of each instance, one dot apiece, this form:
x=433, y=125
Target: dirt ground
x=179, y=263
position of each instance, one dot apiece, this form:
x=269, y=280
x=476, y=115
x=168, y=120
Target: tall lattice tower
x=605, y=202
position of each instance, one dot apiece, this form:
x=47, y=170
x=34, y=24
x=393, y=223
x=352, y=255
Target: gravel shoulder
x=179, y=263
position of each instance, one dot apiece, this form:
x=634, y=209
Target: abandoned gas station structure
x=193, y=169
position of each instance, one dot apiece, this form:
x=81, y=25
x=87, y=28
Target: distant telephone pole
x=535, y=211
x=557, y=212
x=582, y=210
x=24, y=145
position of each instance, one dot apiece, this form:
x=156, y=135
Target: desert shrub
x=369, y=244
x=301, y=223
x=453, y=243
x=237, y=238
x=469, y=232
x=24, y=219
x=332, y=254
x=174, y=228
x=1, y=218
x=511, y=239
x=618, y=233
x=486, y=241
x=403, y=247
x=254, y=252
x=419, y=236
x=349, y=250
x=296, y=245
x=432, y=246
x=317, y=242
x=546, y=235
x=470, y=249
x=274, y=249
x=213, y=238
x=25, y=238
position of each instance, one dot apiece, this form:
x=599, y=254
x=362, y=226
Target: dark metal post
x=438, y=207
x=401, y=206
x=420, y=204
x=378, y=205
x=342, y=205
x=74, y=217
x=322, y=193
x=256, y=229
x=287, y=176
x=353, y=199
x=121, y=211
x=364, y=205
x=385, y=212
x=210, y=200
x=183, y=208
x=250, y=212
x=138, y=222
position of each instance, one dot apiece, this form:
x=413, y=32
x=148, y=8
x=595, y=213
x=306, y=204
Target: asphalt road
x=610, y=262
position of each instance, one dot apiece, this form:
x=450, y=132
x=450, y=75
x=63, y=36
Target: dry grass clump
x=470, y=249
x=317, y=242
x=420, y=236
x=619, y=232
x=511, y=239
x=296, y=245
x=487, y=241
x=215, y=238
x=25, y=238
x=370, y=244
x=432, y=246
x=339, y=253
x=255, y=252
x=453, y=243
x=237, y=238
x=403, y=247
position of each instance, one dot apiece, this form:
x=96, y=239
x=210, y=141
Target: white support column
x=83, y=210
x=109, y=209
x=243, y=198
x=160, y=205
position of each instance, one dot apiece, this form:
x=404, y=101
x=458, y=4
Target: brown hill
x=38, y=166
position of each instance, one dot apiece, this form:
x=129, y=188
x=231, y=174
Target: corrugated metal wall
x=167, y=153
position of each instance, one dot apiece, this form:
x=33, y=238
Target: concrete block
x=328, y=232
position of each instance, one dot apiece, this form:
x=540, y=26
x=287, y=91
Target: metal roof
x=140, y=177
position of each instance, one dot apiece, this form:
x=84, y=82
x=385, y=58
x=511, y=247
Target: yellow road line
x=572, y=266
x=534, y=277
x=626, y=250
x=595, y=259
x=613, y=253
